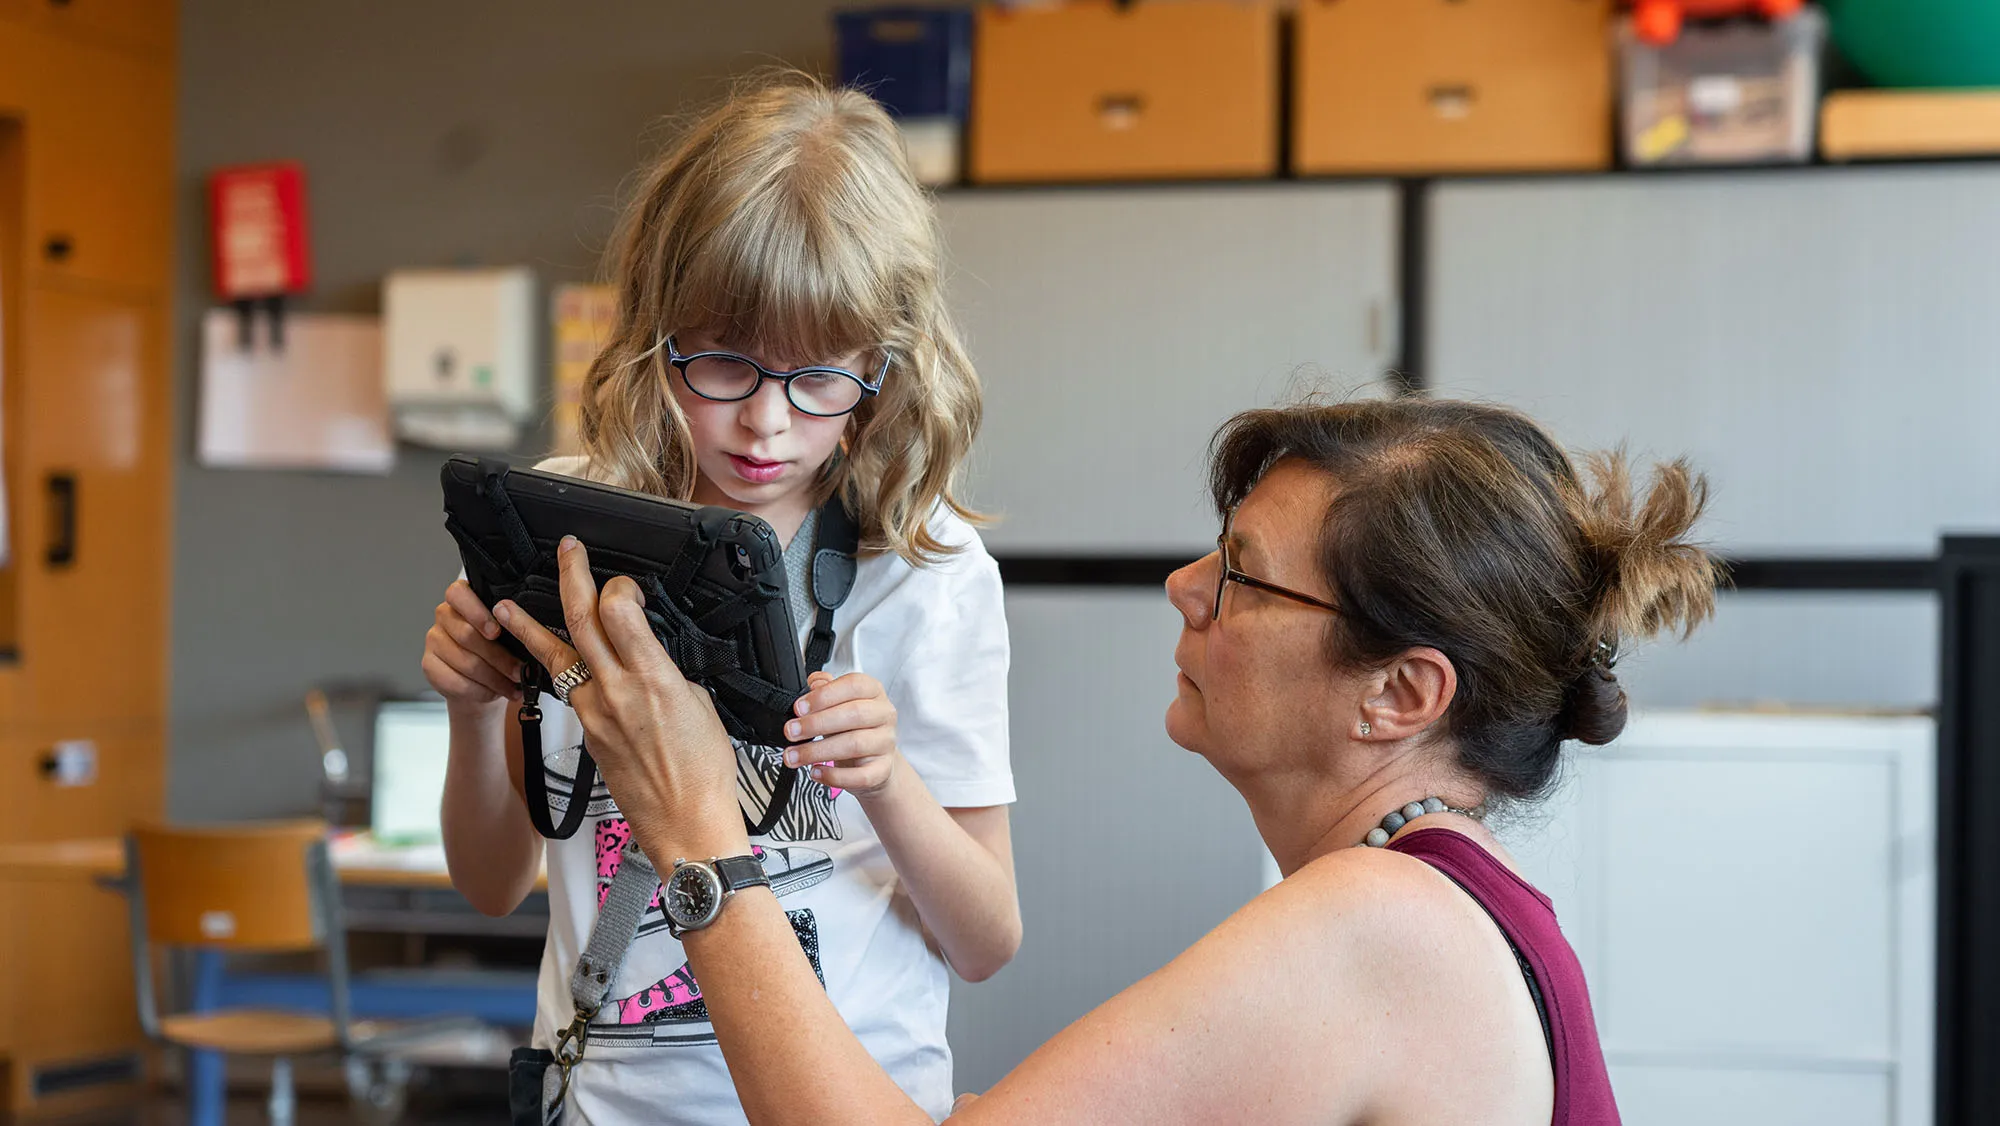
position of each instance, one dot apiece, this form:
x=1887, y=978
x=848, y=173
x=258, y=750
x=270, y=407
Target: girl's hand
x=655, y=736
x=858, y=752
x=463, y=658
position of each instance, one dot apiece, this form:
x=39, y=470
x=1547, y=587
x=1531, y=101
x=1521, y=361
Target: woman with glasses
x=782, y=348
x=1414, y=604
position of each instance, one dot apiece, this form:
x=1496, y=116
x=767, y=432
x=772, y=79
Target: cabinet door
x=1688, y=892
x=72, y=1009
x=1822, y=345
x=1115, y=329
x=81, y=782
x=93, y=492
x=69, y=999
x=100, y=165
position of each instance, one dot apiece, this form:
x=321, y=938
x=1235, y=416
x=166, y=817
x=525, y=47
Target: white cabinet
x=1116, y=328
x=1751, y=898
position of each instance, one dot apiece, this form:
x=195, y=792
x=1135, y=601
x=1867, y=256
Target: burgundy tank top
x=1555, y=978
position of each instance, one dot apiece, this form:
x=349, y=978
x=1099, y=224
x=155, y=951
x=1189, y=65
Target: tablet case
x=714, y=586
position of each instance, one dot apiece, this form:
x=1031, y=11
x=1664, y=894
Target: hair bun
x=1593, y=709
x=1651, y=578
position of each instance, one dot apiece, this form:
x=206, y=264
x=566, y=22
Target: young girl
x=784, y=231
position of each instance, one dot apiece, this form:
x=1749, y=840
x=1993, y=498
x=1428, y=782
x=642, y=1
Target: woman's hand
x=655, y=735
x=858, y=752
x=463, y=657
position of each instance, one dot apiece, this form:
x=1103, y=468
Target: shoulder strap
x=833, y=569
x=625, y=904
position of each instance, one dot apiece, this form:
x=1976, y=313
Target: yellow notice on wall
x=583, y=315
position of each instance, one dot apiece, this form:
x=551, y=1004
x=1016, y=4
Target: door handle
x=62, y=520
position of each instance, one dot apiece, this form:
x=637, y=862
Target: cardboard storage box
x=1382, y=86
x=1881, y=124
x=1089, y=90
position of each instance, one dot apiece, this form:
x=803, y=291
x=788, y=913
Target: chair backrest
x=253, y=886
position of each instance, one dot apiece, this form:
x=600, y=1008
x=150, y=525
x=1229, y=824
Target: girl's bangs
x=770, y=280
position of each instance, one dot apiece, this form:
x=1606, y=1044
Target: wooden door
x=93, y=511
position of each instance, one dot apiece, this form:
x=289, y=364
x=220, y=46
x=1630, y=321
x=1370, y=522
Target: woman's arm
x=1259, y=1022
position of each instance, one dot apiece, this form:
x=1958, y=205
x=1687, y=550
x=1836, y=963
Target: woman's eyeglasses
x=1227, y=573
x=728, y=377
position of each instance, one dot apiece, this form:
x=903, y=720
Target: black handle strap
x=532, y=767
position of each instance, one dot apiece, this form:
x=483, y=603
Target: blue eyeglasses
x=729, y=377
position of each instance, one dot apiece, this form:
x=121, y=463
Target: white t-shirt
x=936, y=637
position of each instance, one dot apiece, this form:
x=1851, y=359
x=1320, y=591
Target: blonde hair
x=787, y=219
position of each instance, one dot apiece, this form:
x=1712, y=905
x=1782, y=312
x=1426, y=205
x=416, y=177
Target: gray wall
x=443, y=133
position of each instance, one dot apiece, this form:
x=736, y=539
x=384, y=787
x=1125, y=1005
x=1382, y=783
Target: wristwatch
x=694, y=892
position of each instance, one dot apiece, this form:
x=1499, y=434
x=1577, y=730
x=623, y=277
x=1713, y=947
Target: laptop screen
x=412, y=739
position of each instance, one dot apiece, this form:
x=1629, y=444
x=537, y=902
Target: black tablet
x=714, y=578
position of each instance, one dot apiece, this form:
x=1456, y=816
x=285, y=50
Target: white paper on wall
x=315, y=403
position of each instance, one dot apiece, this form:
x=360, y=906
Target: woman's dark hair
x=1464, y=527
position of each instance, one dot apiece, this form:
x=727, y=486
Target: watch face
x=693, y=895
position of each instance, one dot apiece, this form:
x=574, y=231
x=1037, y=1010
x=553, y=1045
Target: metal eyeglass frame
x=680, y=363
x=1227, y=573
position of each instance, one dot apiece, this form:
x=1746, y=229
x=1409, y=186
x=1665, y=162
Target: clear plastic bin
x=1743, y=92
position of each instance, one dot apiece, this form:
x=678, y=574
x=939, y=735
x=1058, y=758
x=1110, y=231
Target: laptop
x=412, y=740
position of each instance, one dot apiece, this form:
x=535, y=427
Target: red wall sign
x=257, y=215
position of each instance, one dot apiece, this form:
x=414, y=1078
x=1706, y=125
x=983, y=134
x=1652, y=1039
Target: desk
x=383, y=889
x=359, y=862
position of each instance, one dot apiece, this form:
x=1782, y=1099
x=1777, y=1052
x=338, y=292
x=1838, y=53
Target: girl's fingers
x=848, y=746
x=863, y=778
x=460, y=598
x=854, y=715
x=827, y=693
x=476, y=643
x=465, y=667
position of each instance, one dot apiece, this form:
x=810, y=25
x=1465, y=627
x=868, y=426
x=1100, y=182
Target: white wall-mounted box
x=458, y=355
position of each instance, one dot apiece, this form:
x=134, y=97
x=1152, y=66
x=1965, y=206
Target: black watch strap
x=739, y=872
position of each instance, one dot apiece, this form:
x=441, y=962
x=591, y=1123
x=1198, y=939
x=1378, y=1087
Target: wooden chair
x=267, y=888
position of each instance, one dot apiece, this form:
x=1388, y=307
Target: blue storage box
x=915, y=61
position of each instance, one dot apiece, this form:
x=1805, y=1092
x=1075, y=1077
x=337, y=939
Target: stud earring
x=1367, y=729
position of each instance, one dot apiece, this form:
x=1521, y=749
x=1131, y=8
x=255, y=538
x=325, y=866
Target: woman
x=1413, y=604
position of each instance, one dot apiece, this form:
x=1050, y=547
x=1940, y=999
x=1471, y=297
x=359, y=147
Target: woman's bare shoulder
x=1285, y=1006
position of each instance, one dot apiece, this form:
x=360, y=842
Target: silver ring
x=569, y=680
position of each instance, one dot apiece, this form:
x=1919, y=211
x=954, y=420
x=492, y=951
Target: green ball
x=1920, y=42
